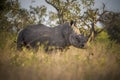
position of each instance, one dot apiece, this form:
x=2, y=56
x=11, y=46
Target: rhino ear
x=74, y=26
x=72, y=23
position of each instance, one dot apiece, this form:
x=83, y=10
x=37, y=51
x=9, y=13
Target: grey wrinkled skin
x=77, y=40
x=60, y=37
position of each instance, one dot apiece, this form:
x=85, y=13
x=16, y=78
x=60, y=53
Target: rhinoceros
x=60, y=37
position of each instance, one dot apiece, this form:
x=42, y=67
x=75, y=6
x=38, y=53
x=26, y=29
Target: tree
x=66, y=10
x=38, y=13
x=111, y=21
x=83, y=14
x=4, y=9
x=14, y=17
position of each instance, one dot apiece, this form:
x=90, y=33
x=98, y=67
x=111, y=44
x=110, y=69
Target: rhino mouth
x=82, y=46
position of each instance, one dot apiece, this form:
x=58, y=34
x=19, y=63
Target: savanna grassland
x=100, y=60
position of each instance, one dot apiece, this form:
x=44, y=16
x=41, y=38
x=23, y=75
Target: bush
x=114, y=32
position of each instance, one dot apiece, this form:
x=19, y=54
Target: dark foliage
x=113, y=26
x=114, y=33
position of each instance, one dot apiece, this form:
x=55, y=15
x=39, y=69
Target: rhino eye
x=77, y=39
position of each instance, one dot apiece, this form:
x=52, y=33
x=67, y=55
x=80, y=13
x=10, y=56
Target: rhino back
x=41, y=33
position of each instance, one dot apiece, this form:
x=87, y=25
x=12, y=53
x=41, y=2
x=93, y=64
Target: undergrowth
x=98, y=61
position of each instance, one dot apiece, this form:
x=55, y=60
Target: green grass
x=99, y=61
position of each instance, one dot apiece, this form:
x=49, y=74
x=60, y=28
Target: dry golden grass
x=99, y=61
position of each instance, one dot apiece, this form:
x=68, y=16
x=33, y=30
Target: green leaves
x=66, y=10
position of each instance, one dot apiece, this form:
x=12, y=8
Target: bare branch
x=52, y=5
x=103, y=6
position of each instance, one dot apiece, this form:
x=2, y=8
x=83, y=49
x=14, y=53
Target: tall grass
x=99, y=61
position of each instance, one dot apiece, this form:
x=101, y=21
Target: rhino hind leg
x=19, y=46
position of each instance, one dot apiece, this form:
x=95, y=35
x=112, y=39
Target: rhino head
x=78, y=40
